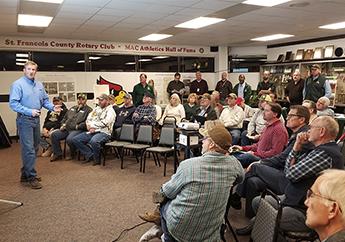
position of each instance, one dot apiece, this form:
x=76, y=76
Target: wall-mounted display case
x=333, y=69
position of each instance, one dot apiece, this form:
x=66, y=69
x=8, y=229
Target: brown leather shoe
x=24, y=179
x=152, y=217
x=34, y=184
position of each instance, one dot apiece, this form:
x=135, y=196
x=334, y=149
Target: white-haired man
x=325, y=206
x=322, y=107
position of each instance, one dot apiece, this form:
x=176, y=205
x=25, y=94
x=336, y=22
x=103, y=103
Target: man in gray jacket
x=72, y=124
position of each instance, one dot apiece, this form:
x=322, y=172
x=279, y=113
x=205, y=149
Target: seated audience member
x=322, y=106
x=325, y=206
x=176, y=86
x=256, y=124
x=145, y=113
x=51, y=123
x=300, y=172
x=99, y=125
x=243, y=89
x=248, y=110
x=215, y=103
x=173, y=109
x=273, y=97
x=312, y=109
x=192, y=211
x=232, y=116
x=262, y=173
x=191, y=106
x=205, y=110
x=272, y=140
x=72, y=124
x=123, y=115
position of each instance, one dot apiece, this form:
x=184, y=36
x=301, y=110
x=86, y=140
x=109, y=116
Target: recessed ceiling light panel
x=47, y=1
x=265, y=3
x=145, y=60
x=34, y=20
x=155, y=37
x=272, y=37
x=339, y=25
x=200, y=22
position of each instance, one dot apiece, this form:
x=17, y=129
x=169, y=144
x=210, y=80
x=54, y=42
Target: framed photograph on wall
x=318, y=53
x=280, y=58
x=299, y=54
x=308, y=54
x=288, y=56
x=329, y=51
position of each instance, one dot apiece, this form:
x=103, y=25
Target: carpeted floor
x=80, y=202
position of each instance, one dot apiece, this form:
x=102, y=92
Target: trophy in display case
x=308, y=55
x=318, y=53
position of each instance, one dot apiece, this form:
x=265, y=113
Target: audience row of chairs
x=142, y=144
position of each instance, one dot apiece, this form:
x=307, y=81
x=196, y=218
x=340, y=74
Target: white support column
x=221, y=63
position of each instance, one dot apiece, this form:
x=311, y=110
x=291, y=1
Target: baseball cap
x=239, y=100
x=82, y=96
x=56, y=99
x=149, y=94
x=266, y=98
x=103, y=96
x=315, y=66
x=220, y=136
x=232, y=95
x=127, y=95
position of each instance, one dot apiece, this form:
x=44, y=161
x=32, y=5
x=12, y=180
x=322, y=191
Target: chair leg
x=64, y=149
x=121, y=156
x=142, y=166
x=157, y=157
x=165, y=164
x=231, y=229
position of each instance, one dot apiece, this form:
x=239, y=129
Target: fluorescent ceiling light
x=24, y=60
x=94, y=57
x=200, y=22
x=130, y=63
x=145, y=60
x=272, y=37
x=265, y=3
x=160, y=57
x=20, y=64
x=339, y=25
x=155, y=37
x=47, y=1
x=34, y=20
x=22, y=55
x=81, y=61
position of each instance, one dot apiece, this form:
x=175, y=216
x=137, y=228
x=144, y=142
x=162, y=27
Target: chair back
x=127, y=132
x=145, y=134
x=167, y=137
x=169, y=121
x=267, y=220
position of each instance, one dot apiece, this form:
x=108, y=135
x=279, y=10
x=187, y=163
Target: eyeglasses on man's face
x=290, y=115
x=310, y=194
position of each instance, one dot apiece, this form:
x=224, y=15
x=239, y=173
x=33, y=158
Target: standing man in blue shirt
x=27, y=97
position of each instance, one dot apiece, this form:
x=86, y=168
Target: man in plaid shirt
x=145, y=113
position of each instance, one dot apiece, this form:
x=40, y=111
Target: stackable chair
x=266, y=226
x=143, y=141
x=226, y=219
x=126, y=138
x=164, y=148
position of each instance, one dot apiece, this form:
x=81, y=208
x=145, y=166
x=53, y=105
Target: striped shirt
x=199, y=191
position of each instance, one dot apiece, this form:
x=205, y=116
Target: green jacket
x=138, y=93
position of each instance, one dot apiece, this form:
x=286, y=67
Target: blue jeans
x=246, y=158
x=29, y=136
x=59, y=135
x=90, y=144
x=235, y=134
x=166, y=235
x=244, y=139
